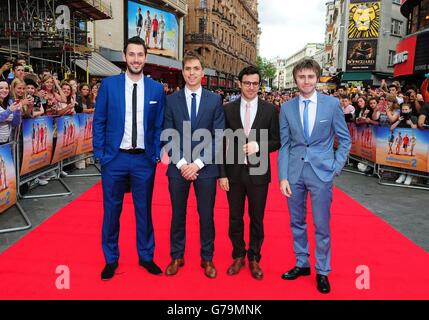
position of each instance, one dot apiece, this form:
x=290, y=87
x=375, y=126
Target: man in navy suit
x=128, y=119
x=308, y=164
x=190, y=112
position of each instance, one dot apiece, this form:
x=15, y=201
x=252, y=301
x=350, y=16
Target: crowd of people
x=25, y=94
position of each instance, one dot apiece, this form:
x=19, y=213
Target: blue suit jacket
x=320, y=148
x=109, y=118
x=210, y=117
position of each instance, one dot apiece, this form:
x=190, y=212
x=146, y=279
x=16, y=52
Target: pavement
x=402, y=208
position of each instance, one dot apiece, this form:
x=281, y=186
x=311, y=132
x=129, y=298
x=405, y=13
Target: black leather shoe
x=323, y=284
x=109, y=271
x=150, y=266
x=295, y=273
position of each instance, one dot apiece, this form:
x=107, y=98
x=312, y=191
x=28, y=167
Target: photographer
x=423, y=122
x=406, y=119
x=411, y=98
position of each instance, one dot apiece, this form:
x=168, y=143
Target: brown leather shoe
x=235, y=267
x=174, y=266
x=209, y=269
x=256, y=270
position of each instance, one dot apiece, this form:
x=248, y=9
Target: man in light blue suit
x=128, y=119
x=308, y=164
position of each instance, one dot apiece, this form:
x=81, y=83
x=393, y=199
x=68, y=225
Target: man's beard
x=130, y=70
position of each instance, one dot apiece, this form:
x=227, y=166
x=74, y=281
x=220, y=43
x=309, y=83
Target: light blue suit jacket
x=320, y=148
x=109, y=118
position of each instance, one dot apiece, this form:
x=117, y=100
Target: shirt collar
x=313, y=98
x=188, y=92
x=253, y=103
x=130, y=82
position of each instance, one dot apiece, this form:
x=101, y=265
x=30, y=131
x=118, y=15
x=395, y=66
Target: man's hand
x=250, y=148
x=190, y=171
x=224, y=184
x=285, y=188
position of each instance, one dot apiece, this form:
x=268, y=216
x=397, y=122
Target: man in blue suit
x=190, y=112
x=128, y=119
x=308, y=164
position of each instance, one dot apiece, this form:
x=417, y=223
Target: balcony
x=93, y=9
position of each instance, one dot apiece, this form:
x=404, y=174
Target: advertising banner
x=84, y=144
x=361, y=55
x=37, y=136
x=158, y=28
x=7, y=178
x=403, y=148
x=364, y=19
x=67, y=128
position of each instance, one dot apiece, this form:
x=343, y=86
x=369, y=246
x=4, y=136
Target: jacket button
x=302, y=159
x=308, y=146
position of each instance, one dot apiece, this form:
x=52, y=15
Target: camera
x=406, y=116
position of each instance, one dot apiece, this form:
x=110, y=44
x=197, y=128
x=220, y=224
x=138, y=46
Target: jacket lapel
x=298, y=117
x=237, y=113
x=146, y=102
x=183, y=105
x=201, y=110
x=122, y=102
x=258, y=116
x=318, y=116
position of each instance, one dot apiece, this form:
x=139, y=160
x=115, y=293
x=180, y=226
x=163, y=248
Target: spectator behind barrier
x=10, y=112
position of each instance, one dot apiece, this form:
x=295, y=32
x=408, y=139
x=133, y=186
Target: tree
x=267, y=69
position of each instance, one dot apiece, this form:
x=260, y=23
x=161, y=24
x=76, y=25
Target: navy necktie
x=305, y=118
x=134, y=130
x=194, y=110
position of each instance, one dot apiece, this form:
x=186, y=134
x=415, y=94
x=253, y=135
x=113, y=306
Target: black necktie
x=134, y=132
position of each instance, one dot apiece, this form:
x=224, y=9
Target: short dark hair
x=345, y=96
x=191, y=55
x=307, y=64
x=135, y=40
x=247, y=71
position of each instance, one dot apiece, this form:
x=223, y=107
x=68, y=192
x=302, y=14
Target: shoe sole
x=294, y=278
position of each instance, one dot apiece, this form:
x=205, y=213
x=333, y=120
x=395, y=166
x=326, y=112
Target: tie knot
x=248, y=105
x=135, y=85
x=306, y=103
x=193, y=95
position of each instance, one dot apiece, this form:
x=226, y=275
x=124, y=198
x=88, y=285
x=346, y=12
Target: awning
x=356, y=76
x=163, y=61
x=99, y=66
x=383, y=75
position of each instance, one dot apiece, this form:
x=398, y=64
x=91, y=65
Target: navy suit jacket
x=325, y=162
x=109, y=118
x=210, y=117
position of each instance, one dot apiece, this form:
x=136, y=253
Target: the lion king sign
x=364, y=20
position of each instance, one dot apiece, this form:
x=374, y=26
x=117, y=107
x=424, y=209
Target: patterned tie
x=193, y=110
x=306, y=128
x=247, y=125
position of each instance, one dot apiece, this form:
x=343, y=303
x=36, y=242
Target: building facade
x=311, y=50
x=412, y=53
x=225, y=34
x=361, y=39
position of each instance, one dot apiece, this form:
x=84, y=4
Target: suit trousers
x=205, y=192
x=321, y=199
x=138, y=171
x=257, y=197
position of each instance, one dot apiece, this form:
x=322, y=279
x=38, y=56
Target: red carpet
x=71, y=237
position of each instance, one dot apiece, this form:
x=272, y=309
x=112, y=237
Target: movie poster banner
x=7, y=178
x=361, y=55
x=364, y=19
x=403, y=148
x=158, y=28
x=355, y=148
x=85, y=133
x=37, y=137
x=67, y=137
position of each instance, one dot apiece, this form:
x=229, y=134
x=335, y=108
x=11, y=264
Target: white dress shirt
x=188, y=96
x=312, y=111
x=127, y=138
x=253, y=111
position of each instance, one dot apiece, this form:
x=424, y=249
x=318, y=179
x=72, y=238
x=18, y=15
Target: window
x=202, y=25
x=396, y=27
x=397, y=2
x=391, y=57
x=203, y=4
